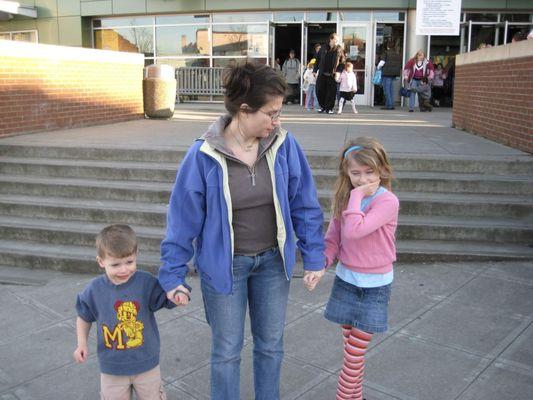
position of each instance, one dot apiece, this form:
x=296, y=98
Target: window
x=242, y=17
x=113, y=22
x=288, y=16
x=182, y=40
x=389, y=16
x=322, y=16
x=20, y=36
x=133, y=40
x=240, y=40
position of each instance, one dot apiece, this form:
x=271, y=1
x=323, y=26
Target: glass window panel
x=354, y=16
x=111, y=22
x=133, y=40
x=30, y=37
x=389, y=16
x=5, y=36
x=322, y=16
x=240, y=40
x=184, y=62
x=181, y=19
x=482, y=36
x=242, y=17
x=479, y=17
x=521, y=32
x=354, y=41
x=230, y=62
x=517, y=17
x=288, y=16
x=182, y=40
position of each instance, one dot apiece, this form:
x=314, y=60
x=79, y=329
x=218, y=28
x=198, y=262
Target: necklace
x=247, y=148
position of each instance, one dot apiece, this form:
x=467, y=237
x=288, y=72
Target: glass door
x=303, y=59
x=271, y=44
x=356, y=41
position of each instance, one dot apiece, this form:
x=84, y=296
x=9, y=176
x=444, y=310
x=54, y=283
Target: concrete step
x=116, y=170
x=496, y=230
x=73, y=258
x=456, y=204
x=69, y=258
x=443, y=182
x=105, y=211
x=80, y=188
x=432, y=250
x=510, y=165
x=81, y=233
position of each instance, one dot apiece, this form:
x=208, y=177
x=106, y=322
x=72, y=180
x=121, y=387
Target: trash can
x=159, y=91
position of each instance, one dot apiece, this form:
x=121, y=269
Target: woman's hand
x=311, y=278
x=180, y=296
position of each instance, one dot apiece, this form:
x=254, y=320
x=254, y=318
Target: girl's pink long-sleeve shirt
x=365, y=241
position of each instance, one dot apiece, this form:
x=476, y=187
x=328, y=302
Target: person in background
x=348, y=87
x=424, y=95
x=391, y=69
x=277, y=64
x=438, y=85
x=326, y=66
x=310, y=82
x=291, y=71
x=415, y=69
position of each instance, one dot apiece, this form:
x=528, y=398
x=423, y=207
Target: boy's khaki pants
x=147, y=386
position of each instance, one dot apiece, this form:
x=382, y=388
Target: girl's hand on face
x=369, y=188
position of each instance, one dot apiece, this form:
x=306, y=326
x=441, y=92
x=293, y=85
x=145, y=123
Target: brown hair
x=117, y=241
x=252, y=84
x=373, y=155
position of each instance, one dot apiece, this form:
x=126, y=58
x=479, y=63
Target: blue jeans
x=310, y=98
x=414, y=84
x=259, y=282
x=387, y=90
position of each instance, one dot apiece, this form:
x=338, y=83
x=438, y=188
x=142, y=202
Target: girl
x=361, y=237
x=348, y=87
x=310, y=81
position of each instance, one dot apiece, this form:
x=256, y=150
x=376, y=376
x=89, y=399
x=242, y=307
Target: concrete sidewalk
x=457, y=330
x=400, y=132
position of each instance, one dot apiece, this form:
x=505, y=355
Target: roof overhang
x=11, y=9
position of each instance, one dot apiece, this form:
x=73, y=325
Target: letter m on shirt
x=112, y=337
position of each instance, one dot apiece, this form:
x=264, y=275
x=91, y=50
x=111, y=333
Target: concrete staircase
x=53, y=200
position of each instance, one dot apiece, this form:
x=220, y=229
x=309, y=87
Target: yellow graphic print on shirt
x=128, y=325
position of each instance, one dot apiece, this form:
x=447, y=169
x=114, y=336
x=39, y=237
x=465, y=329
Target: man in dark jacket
x=389, y=72
x=326, y=65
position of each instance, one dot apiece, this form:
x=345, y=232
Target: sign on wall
x=438, y=17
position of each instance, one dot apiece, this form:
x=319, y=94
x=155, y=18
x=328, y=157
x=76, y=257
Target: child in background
x=311, y=101
x=122, y=302
x=348, y=87
x=361, y=236
x=424, y=95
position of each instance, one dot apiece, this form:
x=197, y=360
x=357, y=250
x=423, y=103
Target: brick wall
x=493, y=94
x=44, y=87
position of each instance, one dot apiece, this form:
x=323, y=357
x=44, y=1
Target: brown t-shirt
x=254, y=215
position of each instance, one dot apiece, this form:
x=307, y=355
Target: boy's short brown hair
x=117, y=241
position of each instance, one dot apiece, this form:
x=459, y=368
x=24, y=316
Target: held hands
x=81, y=353
x=180, y=296
x=369, y=189
x=311, y=278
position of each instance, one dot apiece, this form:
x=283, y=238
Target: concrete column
x=414, y=42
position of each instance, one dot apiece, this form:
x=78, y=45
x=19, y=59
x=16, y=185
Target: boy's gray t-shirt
x=127, y=335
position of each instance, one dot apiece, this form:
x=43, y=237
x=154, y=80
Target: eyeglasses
x=273, y=117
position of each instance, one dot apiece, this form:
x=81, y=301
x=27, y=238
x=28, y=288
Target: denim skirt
x=362, y=308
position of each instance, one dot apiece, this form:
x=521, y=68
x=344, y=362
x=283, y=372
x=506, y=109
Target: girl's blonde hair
x=368, y=152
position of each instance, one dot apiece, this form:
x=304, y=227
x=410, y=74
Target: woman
x=243, y=190
x=390, y=70
x=415, y=69
x=326, y=65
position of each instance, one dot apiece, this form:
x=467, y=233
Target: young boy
x=122, y=302
x=424, y=95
